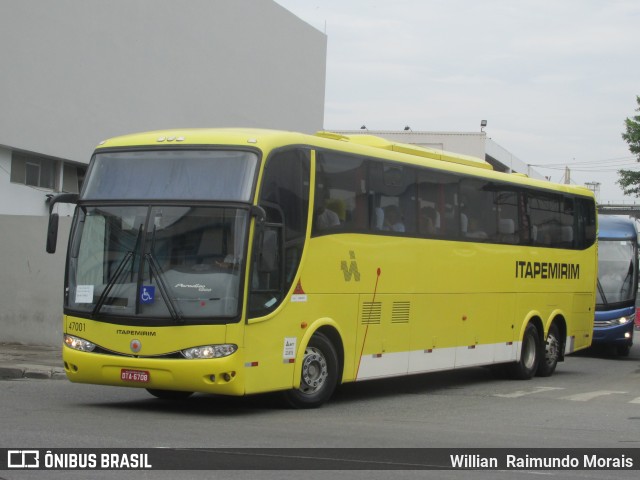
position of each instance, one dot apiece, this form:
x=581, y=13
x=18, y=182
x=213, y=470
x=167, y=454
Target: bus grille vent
x=400, y=312
x=371, y=313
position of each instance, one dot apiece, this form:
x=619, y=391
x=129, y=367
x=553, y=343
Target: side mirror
x=52, y=233
x=258, y=212
x=52, y=229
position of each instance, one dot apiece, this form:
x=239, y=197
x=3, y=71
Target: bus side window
x=392, y=191
x=340, y=194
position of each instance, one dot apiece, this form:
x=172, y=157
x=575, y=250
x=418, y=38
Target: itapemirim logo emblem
x=352, y=269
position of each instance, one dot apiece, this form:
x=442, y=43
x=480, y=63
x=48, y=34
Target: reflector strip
x=251, y=364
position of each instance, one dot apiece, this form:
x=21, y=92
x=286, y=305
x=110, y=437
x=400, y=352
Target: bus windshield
x=157, y=262
x=616, y=273
x=172, y=174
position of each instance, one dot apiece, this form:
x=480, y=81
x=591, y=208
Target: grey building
x=78, y=71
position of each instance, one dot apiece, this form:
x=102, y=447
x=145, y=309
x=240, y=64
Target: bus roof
x=379, y=142
x=611, y=227
x=370, y=145
x=262, y=136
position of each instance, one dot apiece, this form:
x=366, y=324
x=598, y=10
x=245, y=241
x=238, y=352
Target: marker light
x=78, y=343
x=210, y=351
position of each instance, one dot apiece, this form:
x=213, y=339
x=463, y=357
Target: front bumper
x=222, y=376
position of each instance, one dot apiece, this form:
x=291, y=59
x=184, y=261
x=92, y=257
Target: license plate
x=139, y=376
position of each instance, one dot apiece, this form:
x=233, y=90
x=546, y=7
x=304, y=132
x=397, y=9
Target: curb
x=38, y=373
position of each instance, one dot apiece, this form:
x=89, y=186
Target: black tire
x=319, y=376
x=169, y=394
x=551, y=356
x=623, y=350
x=530, y=355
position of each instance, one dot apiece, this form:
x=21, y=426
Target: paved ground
x=30, y=361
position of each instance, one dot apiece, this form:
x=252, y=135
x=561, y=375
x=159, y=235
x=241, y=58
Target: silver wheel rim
x=314, y=371
x=552, y=349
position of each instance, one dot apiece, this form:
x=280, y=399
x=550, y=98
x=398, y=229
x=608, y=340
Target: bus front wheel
x=319, y=375
x=526, y=367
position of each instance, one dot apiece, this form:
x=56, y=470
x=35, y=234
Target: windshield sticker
x=147, y=294
x=84, y=294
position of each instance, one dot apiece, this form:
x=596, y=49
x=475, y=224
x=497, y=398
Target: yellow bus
x=235, y=262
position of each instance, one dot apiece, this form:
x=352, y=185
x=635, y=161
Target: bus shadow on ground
x=432, y=383
x=418, y=384
x=208, y=404
x=607, y=352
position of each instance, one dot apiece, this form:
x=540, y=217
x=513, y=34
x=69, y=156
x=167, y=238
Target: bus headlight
x=210, y=351
x=78, y=343
x=623, y=320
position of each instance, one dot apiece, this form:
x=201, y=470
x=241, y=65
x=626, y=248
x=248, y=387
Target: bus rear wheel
x=319, y=376
x=552, y=353
x=530, y=354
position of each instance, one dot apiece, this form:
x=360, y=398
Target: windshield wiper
x=121, y=266
x=601, y=290
x=174, y=311
x=624, y=291
x=135, y=249
x=112, y=282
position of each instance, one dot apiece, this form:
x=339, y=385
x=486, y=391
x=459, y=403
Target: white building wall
x=467, y=143
x=510, y=160
x=22, y=199
x=475, y=144
x=12, y=195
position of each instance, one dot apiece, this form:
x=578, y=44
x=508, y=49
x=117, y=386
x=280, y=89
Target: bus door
x=277, y=251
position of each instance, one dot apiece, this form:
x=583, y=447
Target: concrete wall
x=75, y=72
x=78, y=71
x=32, y=281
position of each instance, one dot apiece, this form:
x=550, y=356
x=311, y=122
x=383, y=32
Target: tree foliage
x=629, y=179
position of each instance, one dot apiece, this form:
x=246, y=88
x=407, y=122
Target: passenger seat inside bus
x=566, y=236
x=507, y=231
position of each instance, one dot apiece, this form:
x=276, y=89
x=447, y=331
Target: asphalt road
x=592, y=401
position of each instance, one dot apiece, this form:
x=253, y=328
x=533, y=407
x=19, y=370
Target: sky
x=555, y=79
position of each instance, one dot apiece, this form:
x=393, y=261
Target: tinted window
x=172, y=174
x=341, y=194
x=358, y=194
x=284, y=196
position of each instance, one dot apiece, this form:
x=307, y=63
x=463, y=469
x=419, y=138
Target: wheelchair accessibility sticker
x=147, y=294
